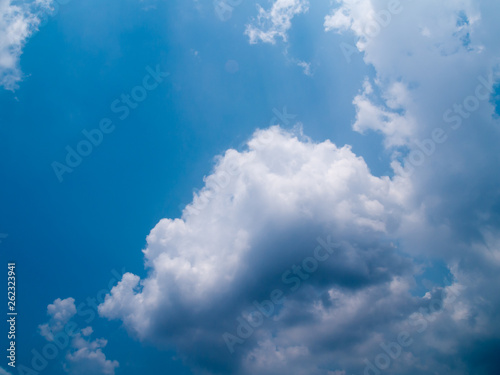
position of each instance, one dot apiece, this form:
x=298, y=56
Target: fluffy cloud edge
x=18, y=22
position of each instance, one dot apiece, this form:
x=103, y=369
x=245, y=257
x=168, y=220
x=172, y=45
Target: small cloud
x=61, y=311
x=84, y=356
x=87, y=331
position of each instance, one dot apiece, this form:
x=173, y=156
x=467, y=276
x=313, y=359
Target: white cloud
x=306, y=66
x=279, y=181
x=4, y=372
x=397, y=128
x=87, y=331
x=60, y=312
x=84, y=356
x=18, y=21
x=425, y=62
x=286, y=190
x=275, y=22
x=349, y=15
x=278, y=197
x=88, y=358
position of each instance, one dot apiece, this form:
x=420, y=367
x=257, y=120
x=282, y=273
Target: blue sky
x=408, y=234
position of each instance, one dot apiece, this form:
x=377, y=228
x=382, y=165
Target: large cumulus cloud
x=264, y=210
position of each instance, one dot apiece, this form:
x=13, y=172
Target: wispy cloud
x=18, y=21
x=275, y=22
